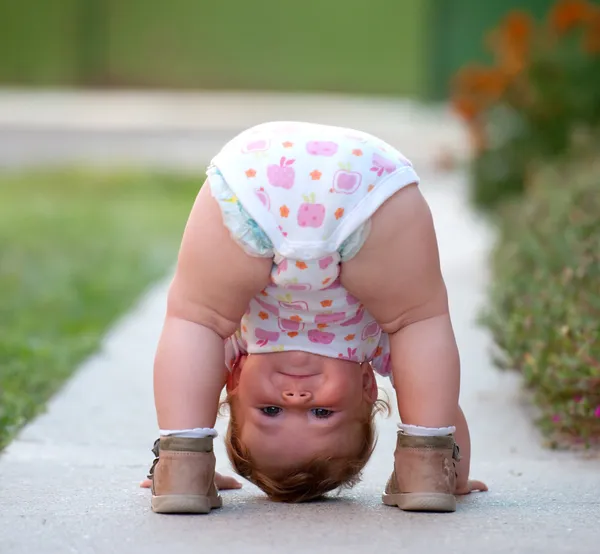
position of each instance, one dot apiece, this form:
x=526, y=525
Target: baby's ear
x=234, y=375
x=370, y=389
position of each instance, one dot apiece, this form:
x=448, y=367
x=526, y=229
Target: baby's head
x=301, y=424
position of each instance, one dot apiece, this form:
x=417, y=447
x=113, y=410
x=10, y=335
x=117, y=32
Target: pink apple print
x=333, y=317
x=296, y=305
x=298, y=286
x=282, y=267
x=335, y=285
x=269, y=307
x=287, y=325
x=355, y=320
x=256, y=145
x=282, y=175
x=324, y=263
x=371, y=329
x=351, y=300
x=386, y=366
x=264, y=337
x=381, y=165
x=346, y=181
x=321, y=148
x=263, y=197
x=351, y=355
x=320, y=337
x=311, y=214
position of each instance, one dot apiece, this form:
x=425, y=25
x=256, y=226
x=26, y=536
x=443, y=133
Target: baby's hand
x=223, y=483
x=470, y=486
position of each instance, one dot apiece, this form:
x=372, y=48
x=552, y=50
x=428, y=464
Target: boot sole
x=185, y=504
x=422, y=502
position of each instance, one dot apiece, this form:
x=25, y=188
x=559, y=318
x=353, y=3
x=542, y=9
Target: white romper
x=303, y=194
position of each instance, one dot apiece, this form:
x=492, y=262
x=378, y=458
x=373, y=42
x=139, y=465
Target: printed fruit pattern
x=321, y=148
x=370, y=330
x=311, y=214
x=346, y=181
x=324, y=263
x=287, y=303
x=381, y=165
x=257, y=145
x=287, y=325
x=351, y=355
x=330, y=318
x=265, y=337
x=282, y=175
x=263, y=197
x=297, y=286
x=320, y=337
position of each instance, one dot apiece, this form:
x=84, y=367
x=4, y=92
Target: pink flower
x=597, y=411
x=556, y=418
x=578, y=399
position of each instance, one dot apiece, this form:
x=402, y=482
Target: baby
x=308, y=264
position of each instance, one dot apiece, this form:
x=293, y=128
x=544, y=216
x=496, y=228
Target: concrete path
x=69, y=483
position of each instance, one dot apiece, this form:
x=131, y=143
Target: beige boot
x=424, y=477
x=183, y=476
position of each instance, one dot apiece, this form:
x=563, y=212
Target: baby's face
x=292, y=407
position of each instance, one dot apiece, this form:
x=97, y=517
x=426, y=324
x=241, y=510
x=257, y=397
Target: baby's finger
x=477, y=486
x=146, y=484
x=224, y=482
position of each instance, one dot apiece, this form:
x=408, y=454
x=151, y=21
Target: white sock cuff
x=197, y=433
x=416, y=431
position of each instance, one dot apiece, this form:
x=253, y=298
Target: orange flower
x=591, y=38
x=357, y=152
x=287, y=144
x=263, y=315
x=339, y=213
x=349, y=337
x=370, y=188
x=568, y=14
x=250, y=173
x=378, y=352
x=292, y=334
x=264, y=293
x=296, y=318
x=322, y=325
x=301, y=265
x=315, y=175
x=325, y=281
x=482, y=83
x=284, y=211
x=244, y=328
x=326, y=303
x=511, y=42
x=465, y=107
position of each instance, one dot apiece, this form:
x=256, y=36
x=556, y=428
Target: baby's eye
x=271, y=411
x=322, y=413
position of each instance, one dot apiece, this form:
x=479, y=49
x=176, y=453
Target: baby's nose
x=296, y=397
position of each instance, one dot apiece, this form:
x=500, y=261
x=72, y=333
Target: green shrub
x=544, y=308
x=540, y=97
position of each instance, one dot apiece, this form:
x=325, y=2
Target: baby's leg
x=397, y=276
x=214, y=282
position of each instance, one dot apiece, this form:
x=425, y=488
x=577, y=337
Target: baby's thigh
x=396, y=274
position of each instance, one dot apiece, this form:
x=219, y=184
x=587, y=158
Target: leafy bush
x=539, y=99
x=545, y=301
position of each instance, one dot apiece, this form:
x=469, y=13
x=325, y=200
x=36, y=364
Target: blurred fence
x=399, y=47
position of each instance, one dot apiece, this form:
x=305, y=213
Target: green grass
x=76, y=250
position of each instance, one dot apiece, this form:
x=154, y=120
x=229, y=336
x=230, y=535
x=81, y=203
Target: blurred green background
x=400, y=47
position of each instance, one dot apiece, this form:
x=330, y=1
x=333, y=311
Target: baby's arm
x=213, y=284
